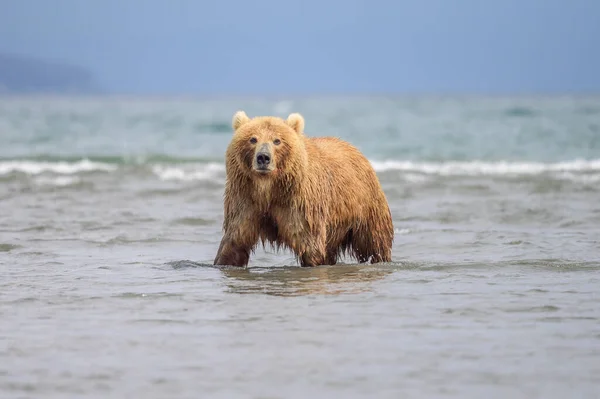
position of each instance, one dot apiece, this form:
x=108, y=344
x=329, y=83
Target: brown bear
x=316, y=196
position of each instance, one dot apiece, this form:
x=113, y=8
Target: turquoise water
x=111, y=212
x=417, y=129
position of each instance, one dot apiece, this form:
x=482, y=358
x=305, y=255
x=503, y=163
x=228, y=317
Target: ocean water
x=111, y=212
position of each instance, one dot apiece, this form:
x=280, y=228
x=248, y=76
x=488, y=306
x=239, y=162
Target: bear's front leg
x=237, y=243
x=311, y=259
x=314, y=252
x=232, y=254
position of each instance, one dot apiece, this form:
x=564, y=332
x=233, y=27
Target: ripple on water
x=298, y=281
x=190, y=221
x=124, y=240
x=182, y=264
x=557, y=264
x=39, y=228
x=161, y=321
x=146, y=295
x=8, y=247
x=559, y=319
x=520, y=112
x=467, y=312
x=533, y=309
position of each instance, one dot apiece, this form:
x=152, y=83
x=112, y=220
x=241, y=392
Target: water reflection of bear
x=295, y=281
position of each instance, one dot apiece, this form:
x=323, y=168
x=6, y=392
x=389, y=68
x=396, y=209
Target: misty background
x=153, y=47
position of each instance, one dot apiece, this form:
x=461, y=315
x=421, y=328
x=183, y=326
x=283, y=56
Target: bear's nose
x=263, y=159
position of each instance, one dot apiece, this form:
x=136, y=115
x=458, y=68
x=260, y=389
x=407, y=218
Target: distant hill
x=20, y=74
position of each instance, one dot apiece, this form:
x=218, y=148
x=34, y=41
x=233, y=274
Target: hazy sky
x=303, y=46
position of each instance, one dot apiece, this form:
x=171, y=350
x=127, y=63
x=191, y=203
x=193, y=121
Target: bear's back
x=342, y=165
x=334, y=151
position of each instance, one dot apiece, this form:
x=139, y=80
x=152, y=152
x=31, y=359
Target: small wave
x=62, y=167
x=190, y=221
x=168, y=169
x=480, y=168
x=8, y=247
x=60, y=181
x=581, y=178
x=206, y=171
x=215, y=127
x=415, y=177
x=117, y=160
x=520, y=112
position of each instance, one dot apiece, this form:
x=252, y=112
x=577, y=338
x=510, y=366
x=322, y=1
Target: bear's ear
x=239, y=119
x=296, y=122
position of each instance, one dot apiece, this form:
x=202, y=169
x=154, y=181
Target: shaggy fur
x=318, y=197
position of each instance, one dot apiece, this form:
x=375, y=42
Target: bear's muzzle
x=263, y=158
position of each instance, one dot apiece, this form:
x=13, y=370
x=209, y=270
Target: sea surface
x=110, y=217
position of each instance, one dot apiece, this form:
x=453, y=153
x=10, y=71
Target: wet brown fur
x=322, y=199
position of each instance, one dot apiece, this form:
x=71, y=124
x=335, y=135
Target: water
x=111, y=212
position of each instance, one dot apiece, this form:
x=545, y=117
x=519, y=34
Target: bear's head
x=267, y=146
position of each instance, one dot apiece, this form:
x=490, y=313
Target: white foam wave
x=188, y=172
x=412, y=177
x=63, y=168
x=60, y=181
x=479, y=168
x=580, y=178
x=586, y=171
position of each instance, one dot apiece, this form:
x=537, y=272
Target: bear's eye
x=253, y=140
x=276, y=141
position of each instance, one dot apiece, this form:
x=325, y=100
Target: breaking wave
x=59, y=167
x=174, y=169
x=206, y=171
x=479, y=168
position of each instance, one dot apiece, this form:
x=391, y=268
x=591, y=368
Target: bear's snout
x=263, y=159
